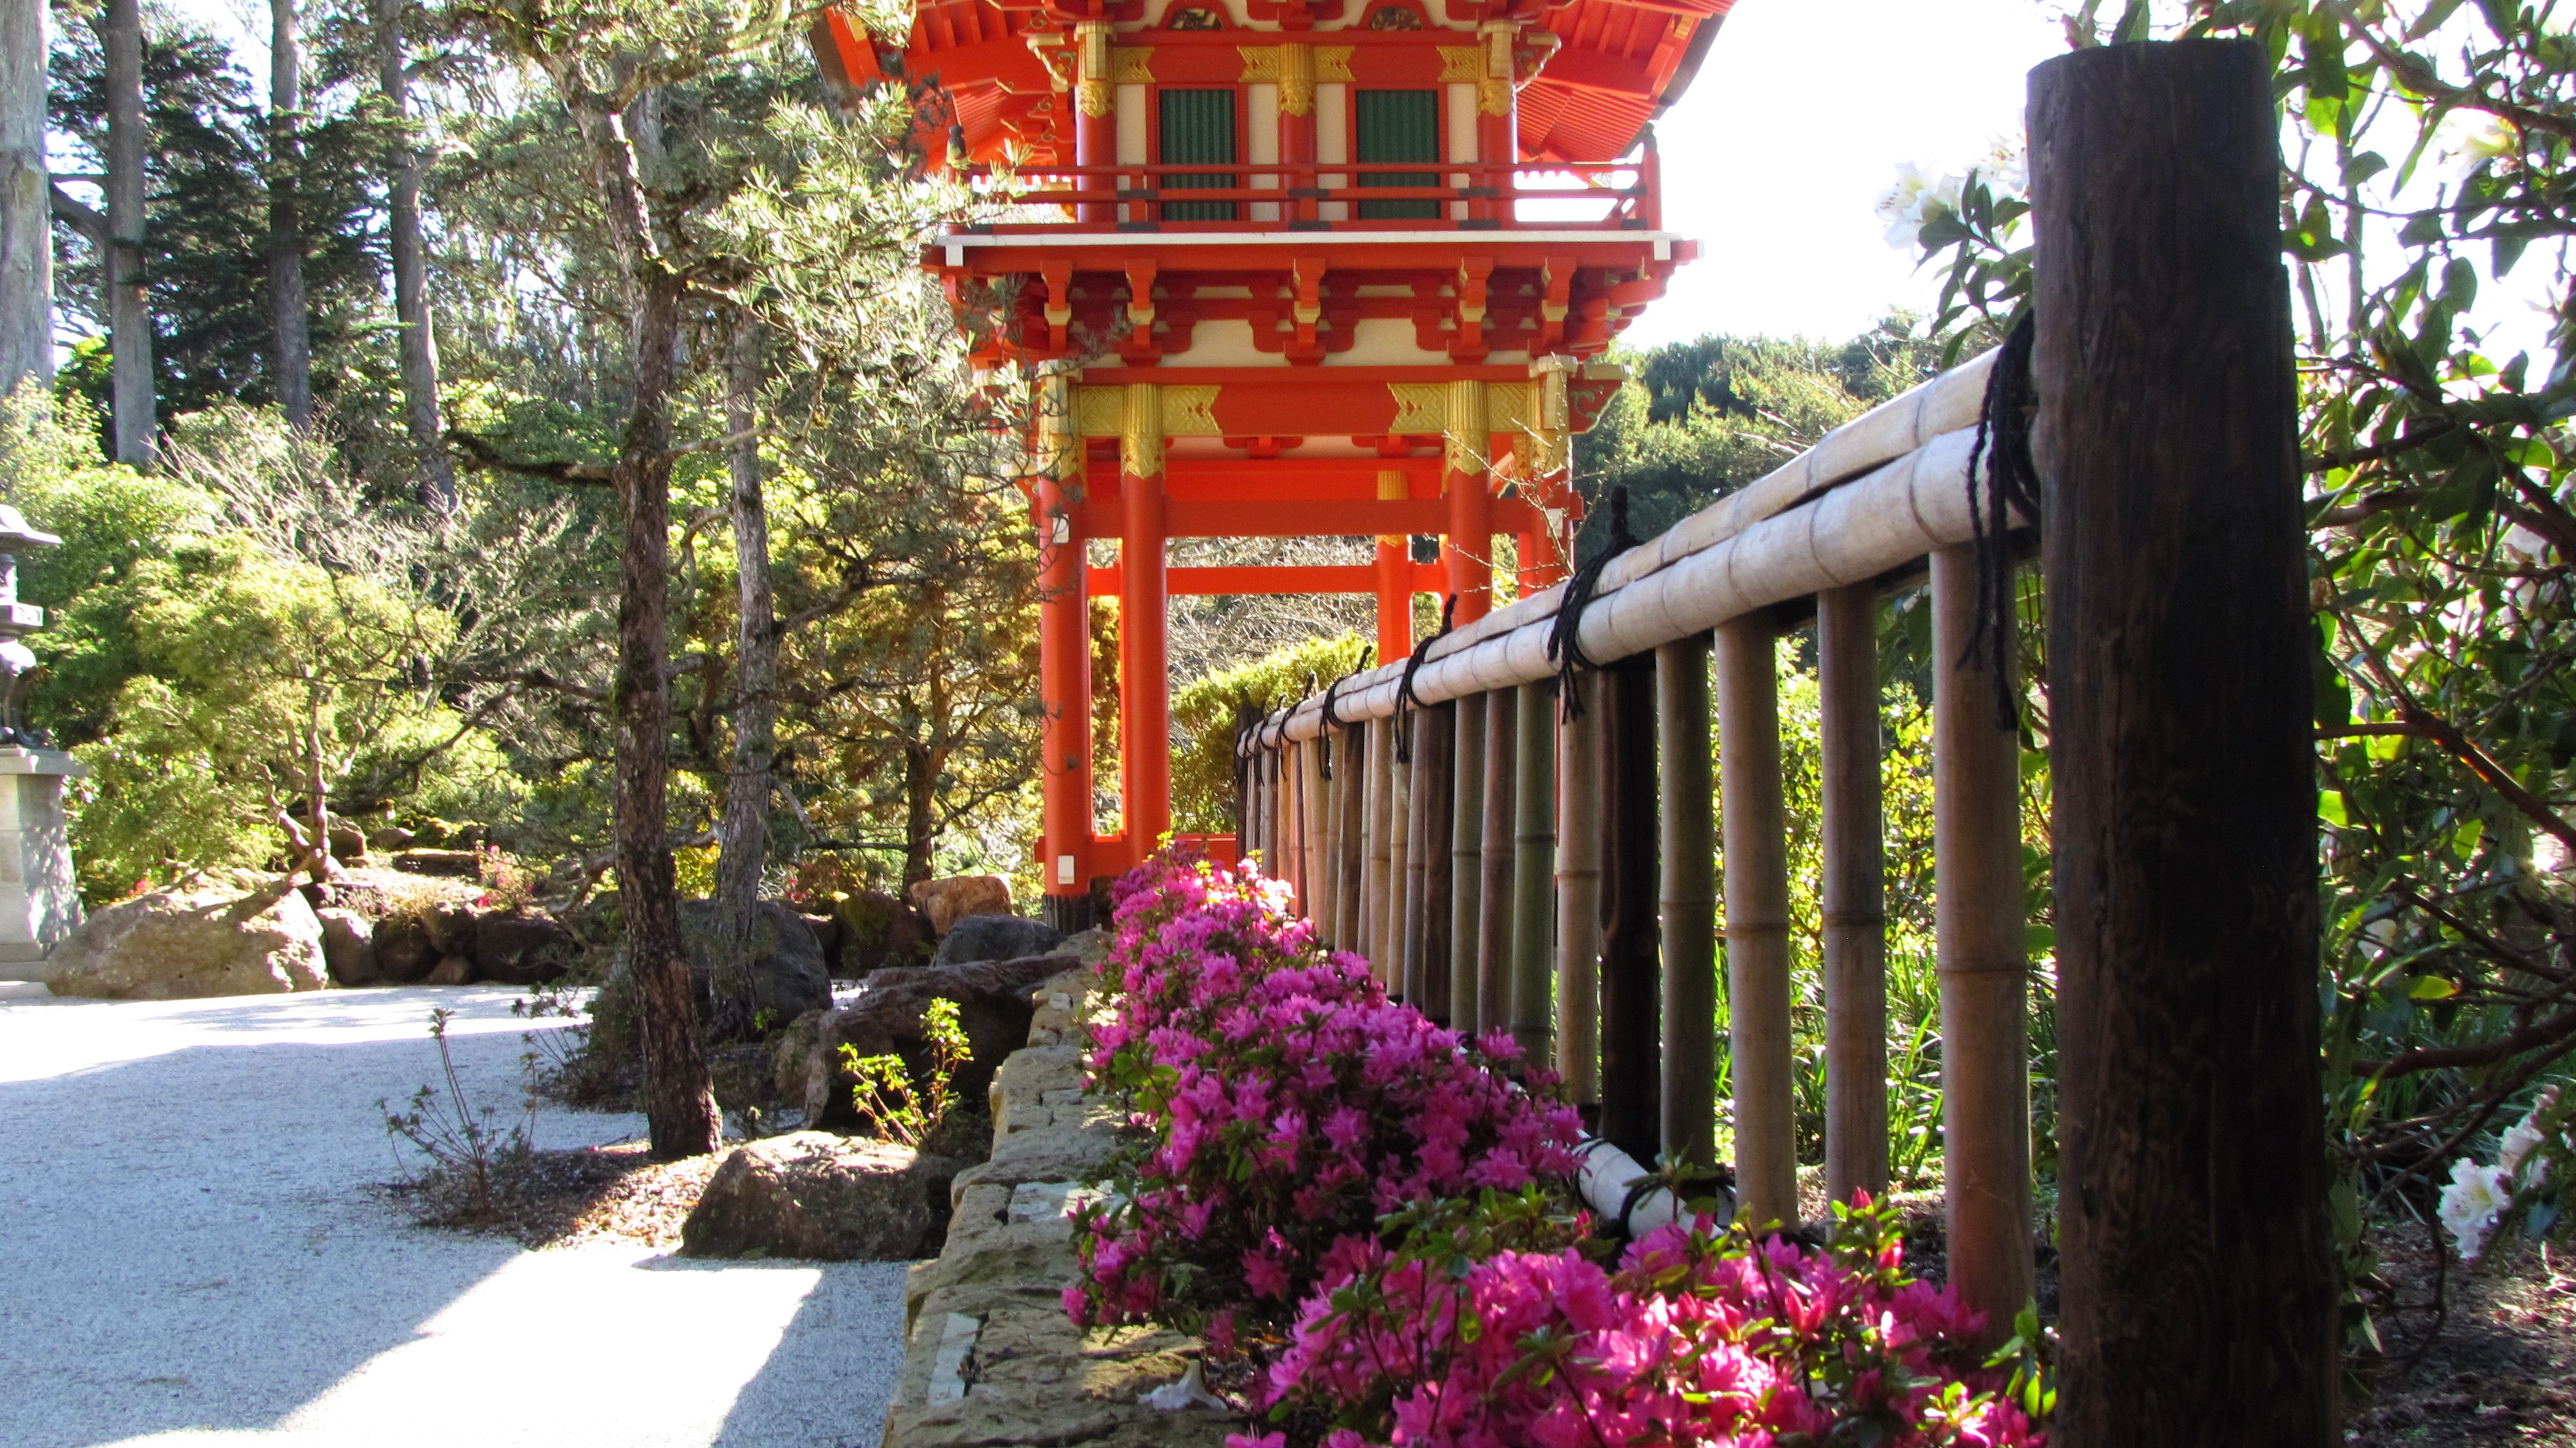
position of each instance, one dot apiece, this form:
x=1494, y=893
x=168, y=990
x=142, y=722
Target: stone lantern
x=39, y=904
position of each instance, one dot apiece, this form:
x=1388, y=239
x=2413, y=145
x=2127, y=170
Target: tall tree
x=409, y=257
x=289, y=311
x=120, y=38
x=26, y=231
x=743, y=833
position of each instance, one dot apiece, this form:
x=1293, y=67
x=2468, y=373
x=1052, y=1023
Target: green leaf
x=2330, y=809
x=2431, y=988
x=2133, y=23
x=2038, y=939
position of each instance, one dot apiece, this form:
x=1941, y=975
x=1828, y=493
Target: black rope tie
x=2012, y=486
x=1406, y=701
x=1565, y=635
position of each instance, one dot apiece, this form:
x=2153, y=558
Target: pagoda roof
x=1619, y=63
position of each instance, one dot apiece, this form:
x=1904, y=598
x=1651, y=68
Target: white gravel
x=190, y=1252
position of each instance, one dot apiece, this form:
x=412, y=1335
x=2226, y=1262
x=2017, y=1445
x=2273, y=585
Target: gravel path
x=192, y=1250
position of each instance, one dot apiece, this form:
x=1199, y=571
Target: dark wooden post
x=1435, y=756
x=1466, y=860
x=1578, y=897
x=1350, y=816
x=2199, y=1300
x=1854, y=894
x=1689, y=850
x=1631, y=991
x=1534, y=872
x=1494, y=935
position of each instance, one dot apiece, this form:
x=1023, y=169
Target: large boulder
x=995, y=937
x=788, y=977
x=885, y=1018
x=405, y=954
x=454, y=864
x=521, y=949
x=348, y=947
x=174, y=945
x=816, y=1195
x=878, y=930
x=948, y=901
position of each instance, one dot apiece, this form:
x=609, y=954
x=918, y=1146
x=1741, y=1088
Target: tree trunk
x=680, y=1103
x=418, y=345
x=129, y=316
x=920, y=778
x=26, y=207
x=743, y=833
x=2199, y=1289
x=290, y=329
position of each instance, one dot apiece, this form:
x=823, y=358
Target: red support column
x=1297, y=128
x=1464, y=477
x=1394, y=582
x=1064, y=668
x=1497, y=119
x=1144, y=657
x=1095, y=121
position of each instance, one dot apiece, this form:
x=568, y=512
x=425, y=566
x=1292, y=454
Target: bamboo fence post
x=1350, y=819
x=1292, y=809
x=1312, y=807
x=1466, y=860
x=1757, y=923
x=1855, y=912
x=2199, y=1286
x=1631, y=1045
x=1494, y=935
x=1436, y=746
x=1327, y=838
x=1689, y=850
x=1578, y=896
x=1417, y=860
x=1371, y=942
x=1978, y=920
x=1533, y=1006
x=1402, y=884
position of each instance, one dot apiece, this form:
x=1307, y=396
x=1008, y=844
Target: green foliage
x=891, y=1105
x=1206, y=713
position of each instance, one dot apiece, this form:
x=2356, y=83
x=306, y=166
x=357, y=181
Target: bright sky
x=1796, y=123
x=1773, y=160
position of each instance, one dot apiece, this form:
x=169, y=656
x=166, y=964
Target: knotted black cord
x=1565, y=635
x=1323, y=744
x=1333, y=720
x=1324, y=736
x=1405, y=699
x=2013, y=484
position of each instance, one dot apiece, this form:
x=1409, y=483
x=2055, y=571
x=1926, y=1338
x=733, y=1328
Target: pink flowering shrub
x=1373, y=1211
x=1292, y=1106
x=1694, y=1337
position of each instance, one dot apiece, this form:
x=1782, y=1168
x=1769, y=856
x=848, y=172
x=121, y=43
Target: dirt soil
x=2500, y=1369
x=557, y=1198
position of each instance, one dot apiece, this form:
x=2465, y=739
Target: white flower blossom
x=2006, y=167
x=2476, y=1196
x=2468, y=140
x=1900, y=207
x=2520, y=1140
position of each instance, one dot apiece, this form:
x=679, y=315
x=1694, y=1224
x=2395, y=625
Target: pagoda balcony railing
x=1339, y=196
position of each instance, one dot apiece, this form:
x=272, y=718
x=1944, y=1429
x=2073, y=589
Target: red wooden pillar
x=1497, y=119
x=1095, y=120
x=1297, y=132
x=1464, y=479
x=1064, y=669
x=1394, y=582
x=1144, y=658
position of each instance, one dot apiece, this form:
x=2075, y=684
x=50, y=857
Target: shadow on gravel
x=191, y=1241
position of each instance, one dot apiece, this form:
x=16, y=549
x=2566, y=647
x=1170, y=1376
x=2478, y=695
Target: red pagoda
x=1290, y=268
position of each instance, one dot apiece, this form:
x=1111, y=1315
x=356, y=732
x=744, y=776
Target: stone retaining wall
x=991, y=1360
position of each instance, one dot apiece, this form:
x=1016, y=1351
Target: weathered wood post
x=2199, y=1300
x=1755, y=825
x=1534, y=873
x=1854, y=902
x=1689, y=850
x=1435, y=749
x=1494, y=933
x=1350, y=816
x=1466, y=860
x=1314, y=826
x=1578, y=896
x=1632, y=1116
x=1979, y=912
x=1373, y=896
x=1403, y=883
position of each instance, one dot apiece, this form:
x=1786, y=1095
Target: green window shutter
x=1397, y=125
x=1198, y=130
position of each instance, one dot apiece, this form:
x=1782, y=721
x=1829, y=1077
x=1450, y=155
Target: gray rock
x=521, y=949
x=788, y=976
x=995, y=937
x=878, y=930
x=812, y=1194
x=404, y=952
x=349, y=947
x=451, y=970
x=176, y=945
x=455, y=864
x=886, y=1019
